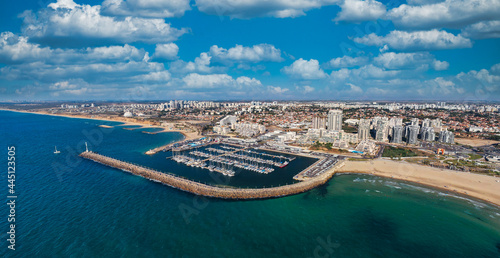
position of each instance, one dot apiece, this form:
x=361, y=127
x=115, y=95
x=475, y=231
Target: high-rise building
x=428, y=134
x=319, y=122
x=446, y=137
x=394, y=121
x=364, y=129
x=397, y=134
x=335, y=120
x=399, y=121
x=426, y=123
x=414, y=121
x=436, y=124
x=412, y=134
x=382, y=132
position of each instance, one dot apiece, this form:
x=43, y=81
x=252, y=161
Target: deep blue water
x=68, y=206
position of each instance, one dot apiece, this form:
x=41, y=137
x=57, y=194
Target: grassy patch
x=393, y=152
x=349, y=129
x=475, y=156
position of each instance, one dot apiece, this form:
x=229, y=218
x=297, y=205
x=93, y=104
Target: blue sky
x=250, y=50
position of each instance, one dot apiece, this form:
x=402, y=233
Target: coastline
x=210, y=190
x=482, y=187
x=187, y=135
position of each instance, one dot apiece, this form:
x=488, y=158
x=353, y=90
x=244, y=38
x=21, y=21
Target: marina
x=225, y=159
x=210, y=190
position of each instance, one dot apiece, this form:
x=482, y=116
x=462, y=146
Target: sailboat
x=56, y=151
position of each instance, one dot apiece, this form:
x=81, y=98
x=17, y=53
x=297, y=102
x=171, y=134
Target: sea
x=67, y=206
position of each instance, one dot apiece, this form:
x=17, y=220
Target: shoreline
x=202, y=189
x=187, y=135
x=481, y=187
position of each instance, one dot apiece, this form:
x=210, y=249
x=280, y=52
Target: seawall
x=208, y=190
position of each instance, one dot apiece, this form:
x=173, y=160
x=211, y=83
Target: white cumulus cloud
x=18, y=49
x=166, y=51
x=360, y=10
x=440, y=65
x=84, y=24
x=416, y=40
x=303, y=69
x=276, y=90
x=244, y=9
x=347, y=61
x=256, y=53
x=447, y=14
x=145, y=8
x=195, y=80
x=14, y=49
x=160, y=76
x=483, y=30
x=247, y=81
x=420, y=60
x=201, y=64
x=114, y=53
x=308, y=89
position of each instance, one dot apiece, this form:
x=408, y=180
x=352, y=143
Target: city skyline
x=264, y=50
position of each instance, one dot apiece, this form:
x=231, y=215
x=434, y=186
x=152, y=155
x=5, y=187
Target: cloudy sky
x=250, y=50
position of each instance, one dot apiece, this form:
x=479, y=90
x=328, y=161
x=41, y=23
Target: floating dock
x=208, y=190
x=226, y=158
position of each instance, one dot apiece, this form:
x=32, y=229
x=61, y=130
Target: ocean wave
x=364, y=180
x=422, y=189
x=392, y=184
x=473, y=202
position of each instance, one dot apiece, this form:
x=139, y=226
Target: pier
x=209, y=190
x=319, y=167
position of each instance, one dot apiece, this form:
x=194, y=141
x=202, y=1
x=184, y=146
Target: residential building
x=335, y=120
x=428, y=134
x=364, y=129
x=412, y=137
x=382, y=131
x=319, y=122
x=397, y=134
x=446, y=137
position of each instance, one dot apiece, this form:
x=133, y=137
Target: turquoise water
x=68, y=206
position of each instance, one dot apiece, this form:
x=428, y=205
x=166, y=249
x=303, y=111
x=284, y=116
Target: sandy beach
x=483, y=187
x=475, y=185
x=188, y=135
